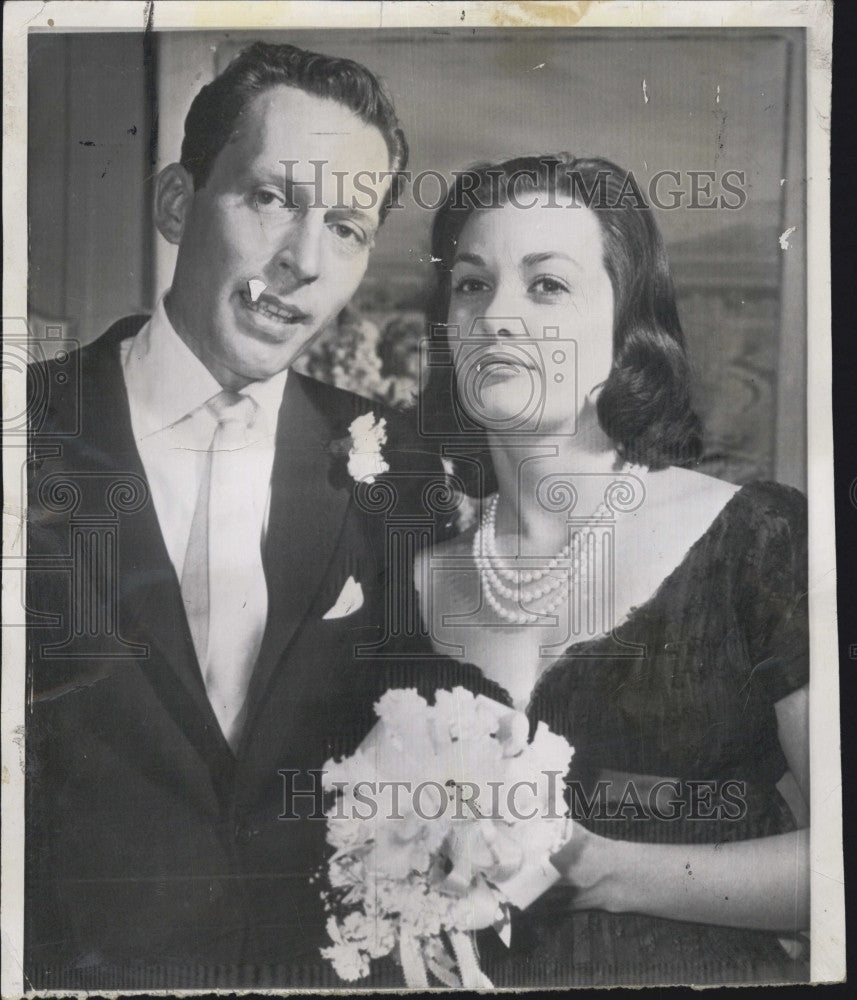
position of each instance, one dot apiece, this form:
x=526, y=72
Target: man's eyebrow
x=531, y=259
x=294, y=193
x=468, y=258
x=358, y=214
x=291, y=188
x=258, y=173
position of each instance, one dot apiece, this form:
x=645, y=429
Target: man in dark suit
x=200, y=573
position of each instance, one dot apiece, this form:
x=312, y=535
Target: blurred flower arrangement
x=346, y=355
x=399, y=348
x=379, y=363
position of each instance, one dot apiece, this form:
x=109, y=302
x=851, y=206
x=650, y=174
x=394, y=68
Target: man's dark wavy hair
x=214, y=113
x=645, y=404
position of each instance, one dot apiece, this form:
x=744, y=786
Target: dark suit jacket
x=156, y=856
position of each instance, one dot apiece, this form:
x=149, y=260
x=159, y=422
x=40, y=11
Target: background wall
x=89, y=191
x=652, y=101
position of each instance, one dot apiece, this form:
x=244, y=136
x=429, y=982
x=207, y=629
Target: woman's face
x=533, y=307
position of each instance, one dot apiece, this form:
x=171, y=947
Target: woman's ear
x=173, y=198
x=594, y=393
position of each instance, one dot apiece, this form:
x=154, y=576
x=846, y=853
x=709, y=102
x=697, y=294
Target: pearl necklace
x=558, y=581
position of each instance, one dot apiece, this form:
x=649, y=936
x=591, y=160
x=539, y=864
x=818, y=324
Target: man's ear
x=173, y=198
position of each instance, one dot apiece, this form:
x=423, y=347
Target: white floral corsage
x=368, y=435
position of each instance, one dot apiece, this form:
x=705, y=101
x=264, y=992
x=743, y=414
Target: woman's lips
x=503, y=365
x=274, y=310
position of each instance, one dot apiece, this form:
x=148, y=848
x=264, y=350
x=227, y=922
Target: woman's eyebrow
x=469, y=258
x=532, y=259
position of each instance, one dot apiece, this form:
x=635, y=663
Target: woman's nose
x=500, y=326
x=502, y=316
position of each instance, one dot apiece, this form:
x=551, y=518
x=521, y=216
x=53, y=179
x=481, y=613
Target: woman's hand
x=761, y=883
x=584, y=862
x=479, y=908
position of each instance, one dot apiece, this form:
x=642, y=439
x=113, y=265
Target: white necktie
x=223, y=580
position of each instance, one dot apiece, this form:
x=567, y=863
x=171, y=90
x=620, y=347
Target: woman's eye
x=470, y=286
x=547, y=285
x=265, y=200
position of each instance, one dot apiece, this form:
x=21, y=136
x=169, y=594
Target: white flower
x=368, y=435
x=348, y=961
x=401, y=705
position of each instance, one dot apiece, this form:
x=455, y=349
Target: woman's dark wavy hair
x=645, y=404
x=215, y=110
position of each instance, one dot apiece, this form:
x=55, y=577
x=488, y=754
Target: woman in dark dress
x=653, y=615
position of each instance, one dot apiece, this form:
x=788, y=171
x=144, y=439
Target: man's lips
x=274, y=309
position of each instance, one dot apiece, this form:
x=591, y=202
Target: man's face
x=308, y=246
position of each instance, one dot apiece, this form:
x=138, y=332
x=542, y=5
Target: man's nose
x=300, y=254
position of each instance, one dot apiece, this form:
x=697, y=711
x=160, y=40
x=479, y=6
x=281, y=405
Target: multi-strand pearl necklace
x=554, y=581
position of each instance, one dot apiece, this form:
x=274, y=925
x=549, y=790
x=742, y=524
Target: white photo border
x=816, y=16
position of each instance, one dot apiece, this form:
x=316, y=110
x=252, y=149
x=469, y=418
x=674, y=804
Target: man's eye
x=350, y=233
x=265, y=199
x=470, y=286
x=547, y=285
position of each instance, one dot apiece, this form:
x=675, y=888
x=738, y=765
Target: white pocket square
x=349, y=600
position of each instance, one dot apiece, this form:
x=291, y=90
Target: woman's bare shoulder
x=678, y=488
x=679, y=506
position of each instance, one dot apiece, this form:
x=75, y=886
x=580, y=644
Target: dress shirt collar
x=168, y=382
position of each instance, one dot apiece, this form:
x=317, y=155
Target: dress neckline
x=637, y=610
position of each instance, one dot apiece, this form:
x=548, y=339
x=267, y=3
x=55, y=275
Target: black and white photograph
x=419, y=419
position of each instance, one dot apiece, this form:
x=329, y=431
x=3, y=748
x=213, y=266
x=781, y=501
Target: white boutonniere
x=365, y=459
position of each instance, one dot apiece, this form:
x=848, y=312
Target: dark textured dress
x=684, y=689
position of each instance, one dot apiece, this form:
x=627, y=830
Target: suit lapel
x=307, y=511
x=151, y=606
x=306, y=516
